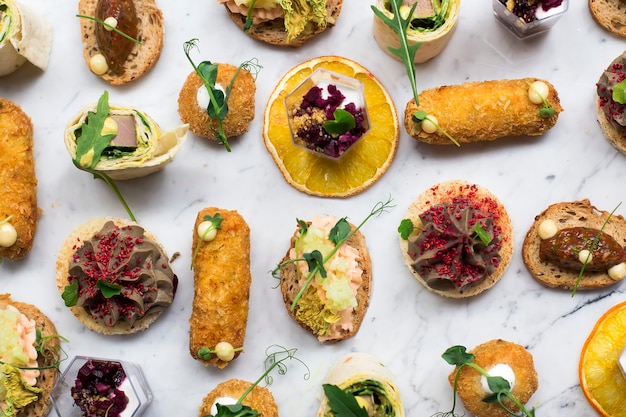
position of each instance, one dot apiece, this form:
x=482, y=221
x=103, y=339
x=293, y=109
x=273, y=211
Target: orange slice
x=362, y=165
x=600, y=377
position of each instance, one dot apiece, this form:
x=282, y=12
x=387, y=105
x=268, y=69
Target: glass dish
x=134, y=386
x=545, y=20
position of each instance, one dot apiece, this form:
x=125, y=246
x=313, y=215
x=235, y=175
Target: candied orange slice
x=601, y=379
x=362, y=165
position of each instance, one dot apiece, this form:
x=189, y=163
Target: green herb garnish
x=113, y=28
x=420, y=116
x=547, y=110
x=482, y=234
x=344, y=121
x=274, y=359
x=406, y=228
x=90, y=144
x=406, y=52
x=70, y=294
x=248, y=24
x=459, y=357
x=341, y=403
x=218, y=99
x=108, y=289
x=592, y=247
x=216, y=224
x=619, y=93
x=338, y=235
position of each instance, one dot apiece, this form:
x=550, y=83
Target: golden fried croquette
x=259, y=399
x=488, y=355
x=240, y=103
x=482, y=111
x=18, y=182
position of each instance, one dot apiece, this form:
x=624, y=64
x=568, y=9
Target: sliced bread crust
x=571, y=214
x=291, y=282
x=445, y=192
x=48, y=377
x=274, y=33
x=142, y=57
x=610, y=14
x=610, y=133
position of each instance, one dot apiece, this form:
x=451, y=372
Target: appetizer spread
x=574, y=245
x=457, y=239
x=24, y=36
x=222, y=278
x=611, y=102
x=283, y=23
x=114, y=276
x=364, y=380
x=19, y=214
x=30, y=353
x=122, y=39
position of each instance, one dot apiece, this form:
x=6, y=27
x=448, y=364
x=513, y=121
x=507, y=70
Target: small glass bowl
x=137, y=389
x=545, y=20
x=351, y=88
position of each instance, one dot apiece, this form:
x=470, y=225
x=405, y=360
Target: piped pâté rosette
x=457, y=239
x=115, y=276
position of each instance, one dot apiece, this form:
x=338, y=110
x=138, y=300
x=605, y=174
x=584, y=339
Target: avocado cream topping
x=121, y=275
x=449, y=252
x=613, y=110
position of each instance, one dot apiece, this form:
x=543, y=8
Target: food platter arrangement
x=239, y=204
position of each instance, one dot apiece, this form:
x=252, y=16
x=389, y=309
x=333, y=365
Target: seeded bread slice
x=142, y=57
x=571, y=214
x=446, y=192
x=85, y=232
x=610, y=14
x=291, y=282
x=273, y=31
x=47, y=377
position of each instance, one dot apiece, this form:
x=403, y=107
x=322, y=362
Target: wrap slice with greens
x=363, y=377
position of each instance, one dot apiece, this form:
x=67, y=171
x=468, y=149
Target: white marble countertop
x=406, y=327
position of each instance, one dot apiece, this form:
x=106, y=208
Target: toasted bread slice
x=259, y=399
x=48, y=377
x=487, y=202
x=143, y=56
x=611, y=134
x=274, y=33
x=292, y=280
x=571, y=214
x=66, y=257
x=610, y=14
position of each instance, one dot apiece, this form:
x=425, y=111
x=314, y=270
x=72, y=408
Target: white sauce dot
x=225, y=351
x=203, y=98
x=98, y=64
x=584, y=256
x=501, y=370
x=618, y=271
x=8, y=235
x=546, y=229
x=202, y=229
x=111, y=21
x=537, y=92
x=429, y=124
x=222, y=401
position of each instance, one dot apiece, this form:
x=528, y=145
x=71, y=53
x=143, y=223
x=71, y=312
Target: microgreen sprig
x=215, y=224
x=593, y=245
x=51, y=356
x=459, y=357
x=547, y=110
x=218, y=99
x=248, y=24
x=339, y=234
x=113, y=28
x=276, y=355
x=91, y=143
x=420, y=116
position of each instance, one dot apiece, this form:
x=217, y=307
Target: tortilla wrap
x=24, y=36
x=155, y=149
x=363, y=369
x=432, y=42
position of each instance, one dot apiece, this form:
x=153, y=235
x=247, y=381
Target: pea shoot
x=339, y=234
x=248, y=24
x=218, y=99
x=207, y=230
x=113, y=28
x=459, y=357
x=223, y=350
x=547, y=110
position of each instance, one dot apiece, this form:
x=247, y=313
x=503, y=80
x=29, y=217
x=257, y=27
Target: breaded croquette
x=488, y=355
x=483, y=111
x=221, y=285
x=240, y=103
x=259, y=399
x=18, y=181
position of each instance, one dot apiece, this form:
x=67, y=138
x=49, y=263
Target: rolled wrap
x=24, y=36
x=155, y=148
x=362, y=369
x=432, y=41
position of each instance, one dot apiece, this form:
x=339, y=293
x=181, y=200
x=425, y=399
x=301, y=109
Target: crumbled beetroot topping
x=96, y=389
x=527, y=9
x=314, y=110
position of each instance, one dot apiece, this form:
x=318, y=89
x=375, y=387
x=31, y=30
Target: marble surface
x=406, y=327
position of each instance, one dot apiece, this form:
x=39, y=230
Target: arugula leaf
x=342, y=403
x=344, y=121
x=619, y=92
x=91, y=143
x=108, y=289
x=406, y=228
x=70, y=294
